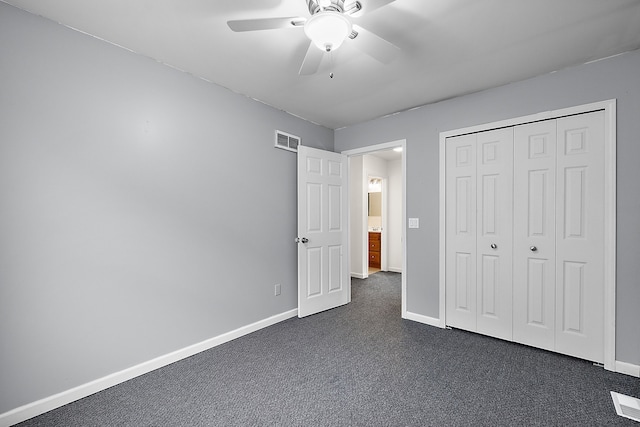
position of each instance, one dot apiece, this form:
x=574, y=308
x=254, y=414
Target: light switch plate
x=414, y=222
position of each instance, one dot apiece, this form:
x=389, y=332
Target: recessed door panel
x=572, y=289
x=335, y=267
x=463, y=281
x=314, y=207
x=574, y=202
x=491, y=212
x=335, y=168
x=537, y=287
x=335, y=208
x=465, y=153
x=314, y=272
x=490, y=284
x=538, y=213
x=464, y=211
x=314, y=165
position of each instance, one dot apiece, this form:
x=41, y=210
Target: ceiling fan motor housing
x=335, y=6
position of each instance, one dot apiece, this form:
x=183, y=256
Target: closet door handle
x=533, y=249
x=494, y=246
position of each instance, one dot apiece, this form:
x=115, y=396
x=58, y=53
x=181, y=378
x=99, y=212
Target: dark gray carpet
x=360, y=365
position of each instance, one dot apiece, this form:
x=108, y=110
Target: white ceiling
x=388, y=155
x=449, y=47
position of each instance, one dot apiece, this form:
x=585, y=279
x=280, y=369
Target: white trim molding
x=431, y=321
x=609, y=301
x=628, y=369
x=39, y=407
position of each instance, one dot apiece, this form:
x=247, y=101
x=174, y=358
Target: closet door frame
x=609, y=108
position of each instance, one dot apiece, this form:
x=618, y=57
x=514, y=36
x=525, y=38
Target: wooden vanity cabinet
x=374, y=250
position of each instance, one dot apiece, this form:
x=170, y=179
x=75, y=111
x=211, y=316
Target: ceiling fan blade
x=311, y=61
x=371, y=5
x=266, y=23
x=374, y=46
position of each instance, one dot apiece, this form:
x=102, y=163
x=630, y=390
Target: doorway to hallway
x=377, y=211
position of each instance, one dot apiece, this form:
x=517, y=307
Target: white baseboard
x=628, y=368
x=361, y=276
x=39, y=407
x=431, y=321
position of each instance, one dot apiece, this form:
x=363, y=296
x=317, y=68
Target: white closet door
x=534, y=234
x=460, y=264
x=580, y=236
x=494, y=152
x=524, y=234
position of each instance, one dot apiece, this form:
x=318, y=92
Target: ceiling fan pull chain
x=331, y=64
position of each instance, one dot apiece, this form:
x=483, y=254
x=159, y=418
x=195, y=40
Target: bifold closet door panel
x=580, y=236
x=534, y=235
x=460, y=262
x=494, y=244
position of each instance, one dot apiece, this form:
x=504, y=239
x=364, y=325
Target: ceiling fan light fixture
x=327, y=30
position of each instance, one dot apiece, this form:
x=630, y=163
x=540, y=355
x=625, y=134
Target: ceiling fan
x=329, y=25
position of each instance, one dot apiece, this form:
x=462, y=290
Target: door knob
x=494, y=246
x=533, y=249
x=304, y=240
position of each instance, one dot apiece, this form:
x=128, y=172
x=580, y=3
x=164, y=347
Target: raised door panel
x=534, y=234
x=580, y=236
x=494, y=228
x=460, y=229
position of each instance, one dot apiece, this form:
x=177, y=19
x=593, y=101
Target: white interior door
x=479, y=232
x=461, y=232
x=494, y=232
x=580, y=236
x=534, y=235
x=323, y=276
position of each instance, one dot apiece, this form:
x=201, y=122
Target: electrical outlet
x=277, y=289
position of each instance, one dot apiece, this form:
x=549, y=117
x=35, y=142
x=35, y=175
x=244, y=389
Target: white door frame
x=609, y=107
x=386, y=146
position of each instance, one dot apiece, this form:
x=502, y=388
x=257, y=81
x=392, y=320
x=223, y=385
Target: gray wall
x=142, y=210
x=617, y=77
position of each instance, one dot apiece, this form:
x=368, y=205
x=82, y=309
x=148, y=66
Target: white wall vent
x=626, y=406
x=286, y=141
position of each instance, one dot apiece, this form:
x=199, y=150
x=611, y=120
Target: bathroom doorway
x=376, y=216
